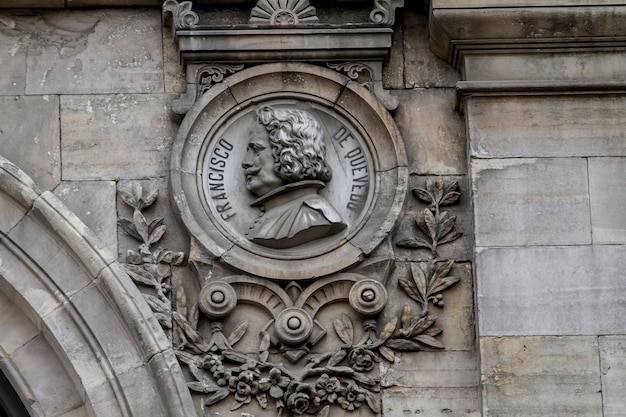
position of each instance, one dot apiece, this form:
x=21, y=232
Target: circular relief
x=217, y=299
x=288, y=171
x=368, y=297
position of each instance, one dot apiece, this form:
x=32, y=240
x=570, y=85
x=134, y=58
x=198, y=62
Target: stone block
x=393, y=71
x=442, y=369
x=94, y=203
x=607, y=190
x=93, y=51
x=607, y=65
x=16, y=329
x=541, y=376
x=433, y=132
x=45, y=374
x=421, y=67
x=29, y=137
x=432, y=402
x=12, y=213
x=521, y=202
x=540, y=126
x=173, y=70
x=613, y=365
x=460, y=249
x=551, y=290
x=116, y=136
x=14, y=42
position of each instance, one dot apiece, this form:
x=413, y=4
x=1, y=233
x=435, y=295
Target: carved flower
x=352, y=397
x=213, y=363
x=274, y=384
x=243, y=386
x=302, y=398
x=361, y=359
x=328, y=388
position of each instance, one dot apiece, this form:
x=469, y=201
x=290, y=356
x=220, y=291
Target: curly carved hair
x=297, y=143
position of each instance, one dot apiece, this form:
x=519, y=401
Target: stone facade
x=514, y=111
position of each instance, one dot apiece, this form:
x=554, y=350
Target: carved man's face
x=258, y=163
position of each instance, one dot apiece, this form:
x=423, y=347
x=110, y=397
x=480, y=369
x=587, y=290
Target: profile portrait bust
x=285, y=168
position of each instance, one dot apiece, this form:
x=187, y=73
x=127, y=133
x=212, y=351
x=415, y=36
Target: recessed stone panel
x=607, y=189
x=546, y=126
x=521, y=202
x=115, y=136
x=433, y=132
x=541, y=376
x=93, y=51
x=613, y=362
x=572, y=290
x=29, y=136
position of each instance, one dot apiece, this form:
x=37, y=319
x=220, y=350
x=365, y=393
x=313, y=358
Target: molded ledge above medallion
x=496, y=28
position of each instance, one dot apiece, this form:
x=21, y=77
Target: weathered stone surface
x=613, y=365
x=32, y=123
x=13, y=50
x=92, y=51
x=433, y=132
x=421, y=67
x=500, y=127
x=551, y=290
x=607, y=189
x=432, y=402
x=45, y=375
x=118, y=136
x=442, y=369
x=15, y=328
x=94, y=203
x=173, y=71
x=393, y=70
x=563, y=66
x=522, y=202
x=541, y=376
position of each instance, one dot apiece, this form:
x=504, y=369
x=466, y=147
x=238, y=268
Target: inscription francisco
x=217, y=164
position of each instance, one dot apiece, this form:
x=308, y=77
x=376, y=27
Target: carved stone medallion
x=288, y=171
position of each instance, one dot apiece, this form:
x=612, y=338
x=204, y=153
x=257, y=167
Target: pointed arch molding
x=56, y=285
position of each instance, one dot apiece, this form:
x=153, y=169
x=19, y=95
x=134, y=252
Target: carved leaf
x=155, y=223
x=423, y=324
x=157, y=234
x=157, y=305
x=450, y=198
x=172, y=258
x=443, y=269
x=431, y=223
x=344, y=329
x=433, y=331
x=196, y=372
x=141, y=224
x=265, y=341
x=429, y=341
x=443, y=283
x=450, y=237
x=235, y=356
x=364, y=379
x=190, y=333
x=164, y=319
x=133, y=257
x=262, y=399
x=372, y=401
x=141, y=276
x=420, y=221
x=235, y=405
x=410, y=290
x=238, y=333
x=194, y=315
x=436, y=188
x=406, y=317
x=127, y=196
x=186, y=357
x=414, y=242
x=148, y=200
x=387, y=353
x=388, y=330
x=129, y=228
x=420, y=273
x=445, y=223
x=324, y=411
x=403, y=345
x=217, y=397
x=423, y=195
x=337, y=357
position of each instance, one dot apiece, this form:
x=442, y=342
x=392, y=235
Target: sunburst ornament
x=283, y=12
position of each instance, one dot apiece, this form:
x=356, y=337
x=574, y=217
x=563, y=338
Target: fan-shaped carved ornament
x=283, y=12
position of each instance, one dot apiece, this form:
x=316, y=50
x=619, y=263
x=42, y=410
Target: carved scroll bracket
x=370, y=76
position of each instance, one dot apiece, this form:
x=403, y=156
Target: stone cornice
x=496, y=26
